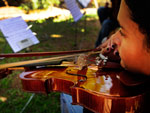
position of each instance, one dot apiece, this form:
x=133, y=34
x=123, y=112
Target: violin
x=100, y=91
x=103, y=88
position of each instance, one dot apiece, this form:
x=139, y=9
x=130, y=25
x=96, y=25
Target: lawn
x=54, y=34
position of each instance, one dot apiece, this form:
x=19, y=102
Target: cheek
x=130, y=56
x=126, y=58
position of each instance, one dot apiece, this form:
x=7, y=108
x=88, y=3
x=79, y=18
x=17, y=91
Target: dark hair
x=139, y=11
x=115, y=9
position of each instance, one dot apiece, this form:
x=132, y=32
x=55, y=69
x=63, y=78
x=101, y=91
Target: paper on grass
x=17, y=34
x=74, y=9
x=84, y=2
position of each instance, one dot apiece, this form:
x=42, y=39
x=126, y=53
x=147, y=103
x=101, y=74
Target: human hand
x=109, y=48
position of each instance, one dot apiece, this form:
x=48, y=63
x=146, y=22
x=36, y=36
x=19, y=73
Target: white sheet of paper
x=16, y=33
x=84, y=2
x=74, y=9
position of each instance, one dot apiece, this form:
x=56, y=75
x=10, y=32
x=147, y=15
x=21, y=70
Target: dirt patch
x=8, y=12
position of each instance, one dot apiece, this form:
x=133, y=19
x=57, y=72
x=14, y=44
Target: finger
x=103, y=45
x=105, y=50
x=116, y=52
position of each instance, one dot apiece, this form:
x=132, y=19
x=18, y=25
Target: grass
x=53, y=36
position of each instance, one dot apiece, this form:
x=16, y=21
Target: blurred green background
x=55, y=34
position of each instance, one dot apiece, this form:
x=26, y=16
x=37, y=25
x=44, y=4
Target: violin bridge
x=81, y=61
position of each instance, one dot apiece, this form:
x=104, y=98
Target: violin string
x=8, y=65
x=82, y=80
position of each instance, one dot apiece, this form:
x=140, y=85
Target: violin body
x=101, y=92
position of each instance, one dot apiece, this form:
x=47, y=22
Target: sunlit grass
x=40, y=21
x=3, y=99
x=56, y=36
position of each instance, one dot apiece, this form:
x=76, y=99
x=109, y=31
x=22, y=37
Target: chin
x=122, y=64
x=130, y=69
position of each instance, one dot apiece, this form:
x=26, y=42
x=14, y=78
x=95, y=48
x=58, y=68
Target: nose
x=117, y=38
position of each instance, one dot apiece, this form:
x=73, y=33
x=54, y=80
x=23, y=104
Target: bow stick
x=22, y=63
x=46, y=53
x=44, y=60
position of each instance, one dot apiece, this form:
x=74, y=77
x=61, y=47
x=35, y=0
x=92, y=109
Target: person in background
x=108, y=19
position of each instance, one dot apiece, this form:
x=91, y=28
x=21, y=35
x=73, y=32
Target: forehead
x=124, y=17
x=130, y=28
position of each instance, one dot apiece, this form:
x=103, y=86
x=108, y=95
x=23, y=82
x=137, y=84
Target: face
x=130, y=43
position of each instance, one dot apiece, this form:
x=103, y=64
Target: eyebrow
x=120, y=25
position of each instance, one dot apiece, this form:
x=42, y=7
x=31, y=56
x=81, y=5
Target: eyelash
x=122, y=34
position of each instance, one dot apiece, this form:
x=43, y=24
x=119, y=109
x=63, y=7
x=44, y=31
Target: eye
x=120, y=31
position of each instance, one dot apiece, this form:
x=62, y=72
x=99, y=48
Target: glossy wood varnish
x=102, y=92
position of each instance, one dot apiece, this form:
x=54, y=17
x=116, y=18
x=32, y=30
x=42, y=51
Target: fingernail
x=107, y=49
x=113, y=46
